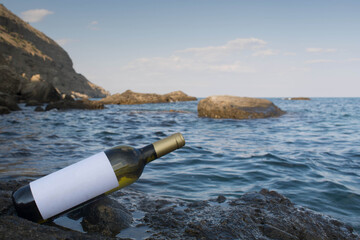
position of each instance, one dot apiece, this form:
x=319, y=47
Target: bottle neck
x=162, y=147
x=148, y=153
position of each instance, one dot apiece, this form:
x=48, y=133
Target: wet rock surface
x=12, y=227
x=74, y=104
x=105, y=216
x=258, y=215
x=233, y=107
x=130, y=97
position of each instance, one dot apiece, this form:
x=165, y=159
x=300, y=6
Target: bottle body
x=76, y=184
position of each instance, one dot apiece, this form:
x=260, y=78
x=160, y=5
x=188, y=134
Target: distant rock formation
x=237, y=108
x=130, y=97
x=298, y=98
x=28, y=55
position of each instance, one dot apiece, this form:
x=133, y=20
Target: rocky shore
x=130, y=97
x=257, y=215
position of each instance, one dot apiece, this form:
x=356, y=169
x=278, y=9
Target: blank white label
x=75, y=184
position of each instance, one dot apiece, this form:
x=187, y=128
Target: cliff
x=34, y=56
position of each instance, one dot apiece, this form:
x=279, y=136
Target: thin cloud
x=320, y=61
x=35, y=15
x=353, y=60
x=94, y=25
x=263, y=53
x=65, y=41
x=299, y=69
x=237, y=44
x=289, y=54
x=223, y=58
x=321, y=50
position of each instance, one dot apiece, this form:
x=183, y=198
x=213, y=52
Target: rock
x=33, y=102
x=68, y=97
x=39, y=109
x=130, y=97
x=14, y=228
x=10, y=81
x=8, y=102
x=106, y=216
x=40, y=91
x=78, y=104
x=35, y=56
x=4, y=110
x=237, y=108
x=220, y=199
x=179, y=96
x=299, y=98
x=260, y=215
x=256, y=215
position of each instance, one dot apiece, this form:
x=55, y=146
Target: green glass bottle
x=79, y=183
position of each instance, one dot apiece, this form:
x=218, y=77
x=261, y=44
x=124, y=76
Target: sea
x=311, y=155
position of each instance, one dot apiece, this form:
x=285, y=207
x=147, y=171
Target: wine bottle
x=79, y=183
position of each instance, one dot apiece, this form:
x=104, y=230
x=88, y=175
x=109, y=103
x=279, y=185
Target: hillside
x=36, y=57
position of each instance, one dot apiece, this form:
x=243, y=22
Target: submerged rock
x=237, y=108
x=257, y=215
x=130, y=97
x=78, y=104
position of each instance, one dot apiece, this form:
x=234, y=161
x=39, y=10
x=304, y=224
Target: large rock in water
x=130, y=97
x=259, y=215
x=237, y=108
x=31, y=53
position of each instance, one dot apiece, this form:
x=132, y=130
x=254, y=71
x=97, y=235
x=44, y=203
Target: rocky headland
x=237, y=108
x=130, y=97
x=35, y=67
x=258, y=215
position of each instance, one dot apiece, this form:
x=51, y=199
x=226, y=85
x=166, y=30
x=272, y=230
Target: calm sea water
x=311, y=155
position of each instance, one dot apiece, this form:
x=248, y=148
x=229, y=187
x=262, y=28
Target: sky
x=261, y=48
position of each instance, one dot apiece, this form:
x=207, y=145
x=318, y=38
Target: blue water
x=311, y=154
